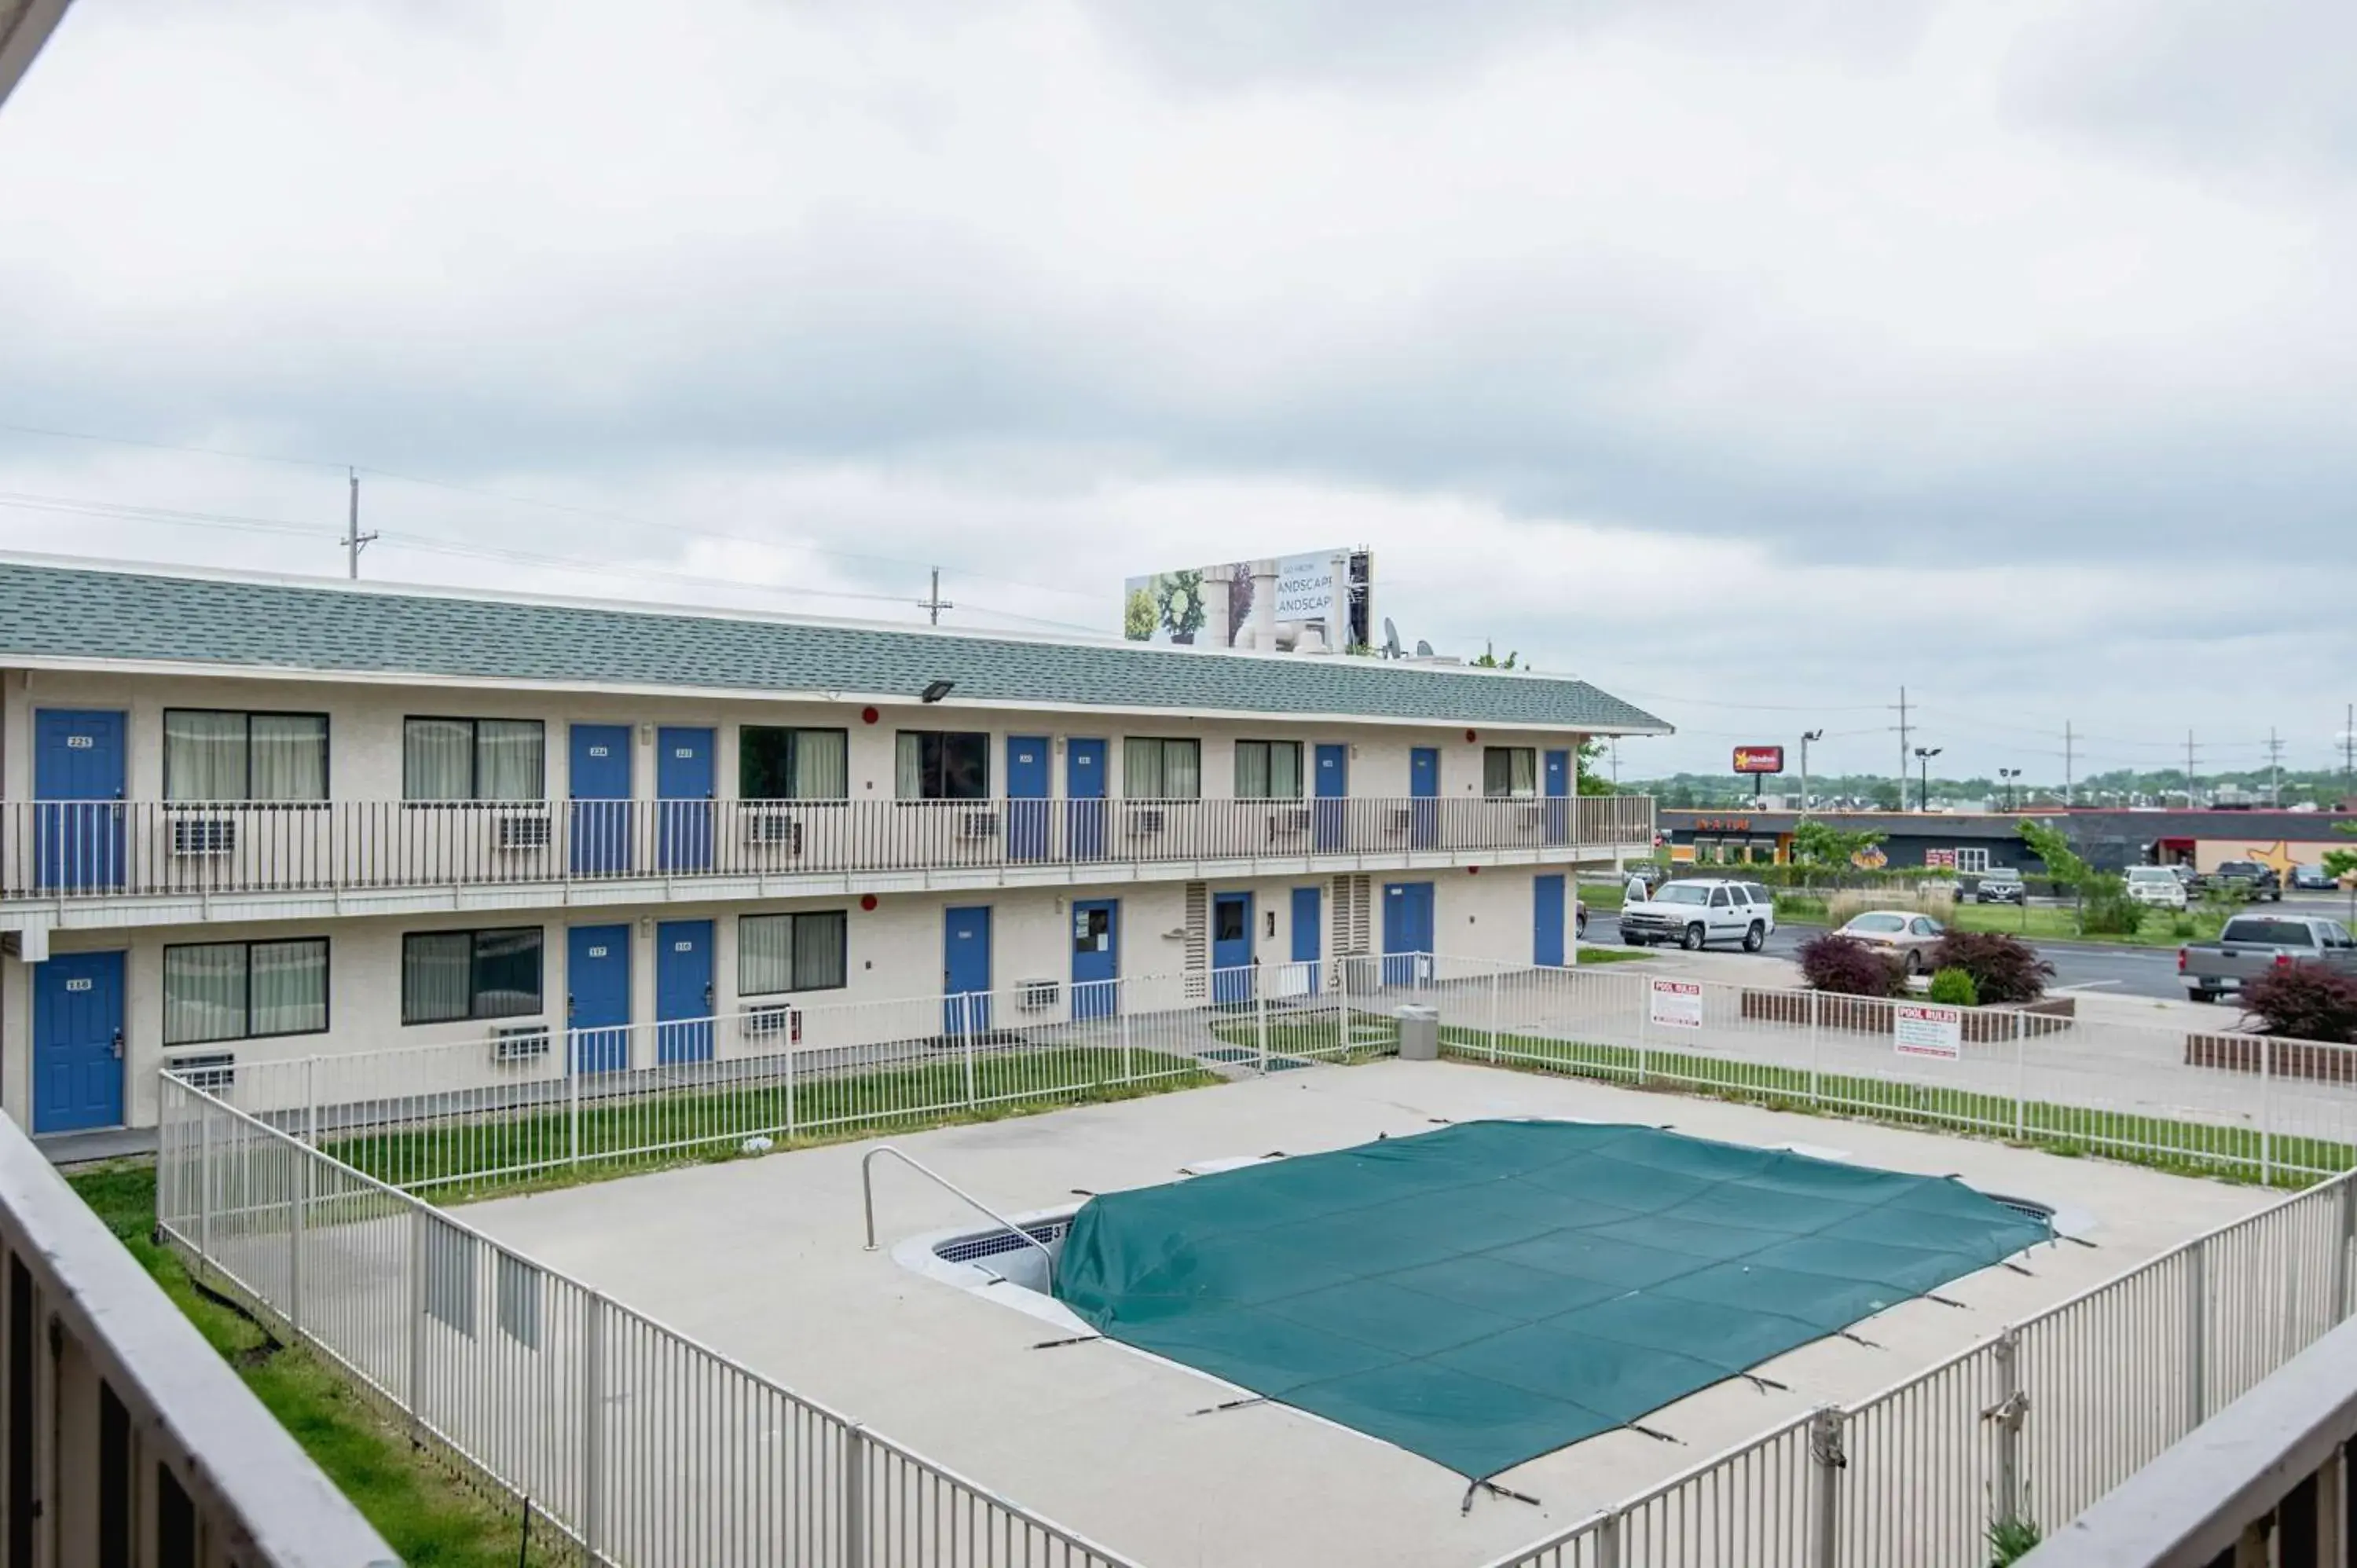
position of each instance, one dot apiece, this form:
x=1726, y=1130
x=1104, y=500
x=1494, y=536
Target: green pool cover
x=1491, y=1292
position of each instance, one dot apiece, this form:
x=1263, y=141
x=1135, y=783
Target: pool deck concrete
x=763, y=1261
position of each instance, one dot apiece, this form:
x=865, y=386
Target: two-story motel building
x=255, y=818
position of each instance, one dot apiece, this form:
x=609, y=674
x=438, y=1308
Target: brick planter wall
x=2285, y=1058
x=1872, y=1015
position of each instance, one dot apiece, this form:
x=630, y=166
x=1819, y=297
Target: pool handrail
x=868, y=1197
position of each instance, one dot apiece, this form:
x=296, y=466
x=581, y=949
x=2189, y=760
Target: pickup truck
x=2251, y=945
x=1695, y=913
x=2247, y=877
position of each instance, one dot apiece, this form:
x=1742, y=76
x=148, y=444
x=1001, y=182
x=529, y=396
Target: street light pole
x=2008, y=775
x=1923, y=755
x=1806, y=737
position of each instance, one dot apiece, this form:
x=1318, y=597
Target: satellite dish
x=1423, y=648
x=1391, y=638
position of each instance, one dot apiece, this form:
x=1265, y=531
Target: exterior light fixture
x=935, y=690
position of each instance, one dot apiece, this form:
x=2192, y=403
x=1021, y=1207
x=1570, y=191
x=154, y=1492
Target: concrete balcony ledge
x=112, y=864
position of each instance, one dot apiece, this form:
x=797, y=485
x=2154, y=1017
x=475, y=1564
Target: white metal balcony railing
x=67, y=849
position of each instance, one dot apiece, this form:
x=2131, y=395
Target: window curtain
x=908, y=767
x=1284, y=771
x=289, y=758
x=1253, y=770
x=204, y=993
x=289, y=987
x=1523, y=771
x=1141, y=769
x=822, y=765
x=436, y=977
x=204, y=756
x=437, y=759
x=509, y=759
x=765, y=965
x=819, y=957
x=1182, y=769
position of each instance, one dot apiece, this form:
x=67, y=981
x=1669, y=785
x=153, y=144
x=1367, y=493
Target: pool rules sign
x=1923, y=1029
x=1675, y=1004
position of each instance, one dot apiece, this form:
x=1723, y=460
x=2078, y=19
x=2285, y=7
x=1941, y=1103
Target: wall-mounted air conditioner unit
x=204, y=837
x=1037, y=995
x=1397, y=821
x=213, y=1071
x=1147, y=819
x=524, y=830
x=977, y=824
x=773, y=1023
x=1288, y=823
x=780, y=830
x=520, y=1043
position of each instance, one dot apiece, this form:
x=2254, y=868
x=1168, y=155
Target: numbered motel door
x=1096, y=958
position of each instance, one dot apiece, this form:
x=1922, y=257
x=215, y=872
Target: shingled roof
x=81, y=612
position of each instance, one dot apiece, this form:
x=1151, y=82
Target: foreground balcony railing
x=81, y=849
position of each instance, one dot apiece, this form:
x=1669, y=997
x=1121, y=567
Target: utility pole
x=2189, y=797
x=1902, y=748
x=933, y=601
x=354, y=541
x=1807, y=735
x=2066, y=760
x=2349, y=752
x=2274, y=769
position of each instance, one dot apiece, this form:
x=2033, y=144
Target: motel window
x=244, y=991
x=474, y=759
x=450, y=976
x=791, y=953
x=941, y=764
x=1154, y=769
x=1509, y=771
x=778, y=764
x=209, y=754
x=1268, y=771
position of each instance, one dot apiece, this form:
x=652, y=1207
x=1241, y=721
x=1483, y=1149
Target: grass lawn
x=2185, y=1147
x=534, y=1149
x=421, y=1511
x=2054, y=923
x=1598, y=952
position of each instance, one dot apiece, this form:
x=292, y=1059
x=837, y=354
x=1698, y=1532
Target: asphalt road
x=2096, y=966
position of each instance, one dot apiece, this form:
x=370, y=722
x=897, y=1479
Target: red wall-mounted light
x=868, y=902
x=1470, y=737
x=868, y=715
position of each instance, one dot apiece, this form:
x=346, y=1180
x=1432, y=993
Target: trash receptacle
x=1419, y=1033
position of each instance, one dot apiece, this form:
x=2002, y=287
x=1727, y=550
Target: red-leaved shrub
x=1848, y=967
x=2306, y=1002
x=2004, y=969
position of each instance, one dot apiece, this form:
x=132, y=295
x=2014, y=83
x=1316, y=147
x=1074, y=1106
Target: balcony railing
x=74, y=848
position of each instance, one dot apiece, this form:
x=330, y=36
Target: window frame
x=474, y=796
x=841, y=918
x=475, y=935
x=1510, y=792
x=327, y=760
x=327, y=990
x=1166, y=742
x=794, y=760
x=983, y=736
x=1269, y=748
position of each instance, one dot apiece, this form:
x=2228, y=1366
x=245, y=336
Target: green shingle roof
x=75, y=613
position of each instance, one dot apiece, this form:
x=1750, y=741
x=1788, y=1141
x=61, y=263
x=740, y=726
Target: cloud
x=1911, y=342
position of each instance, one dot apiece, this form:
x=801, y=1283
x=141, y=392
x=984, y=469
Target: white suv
x=2157, y=884
x=1697, y=913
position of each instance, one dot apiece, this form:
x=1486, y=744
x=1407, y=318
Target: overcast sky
x=1750, y=357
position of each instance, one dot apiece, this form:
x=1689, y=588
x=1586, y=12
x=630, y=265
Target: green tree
x=2341, y=862
x=1591, y=756
x=2050, y=845
x=1818, y=843
x=1488, y=659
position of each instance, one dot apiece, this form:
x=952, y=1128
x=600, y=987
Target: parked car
x=1580, y=920
x=1901, y=935
x=2249, y=878
x=2312, y=879
x=2156, y=885
x=1999, y=885
x=1698, y=912
x=2253, y=944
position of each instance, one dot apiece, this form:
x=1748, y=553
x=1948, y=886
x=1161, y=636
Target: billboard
x=1760, y=759
x=1316, y=602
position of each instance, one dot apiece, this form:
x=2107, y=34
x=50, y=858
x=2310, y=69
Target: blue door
x=684, y=788
x=1546, y=921
x=684, y=991
x=965, y=970
x=1333, y=785
x=1556, y=765
x=1084, y=799
x=1308, y=937
x=1232, y=948
x=77, y=1042
x=600, y=773
x=1027, y=797
x=1407, y=933
x=78, y=780
x=597, y=998
x=1423, y=795
x=1096, y=958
